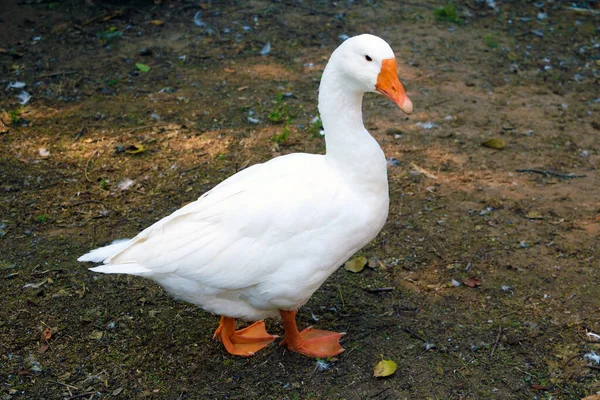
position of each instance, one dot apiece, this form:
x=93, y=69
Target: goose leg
x=310, y=342
x=244, y=342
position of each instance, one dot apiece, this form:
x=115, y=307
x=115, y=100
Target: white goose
x=261, y=242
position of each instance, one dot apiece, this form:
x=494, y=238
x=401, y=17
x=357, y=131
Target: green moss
x=447, y=13
x=41, y=218
x=491, y=41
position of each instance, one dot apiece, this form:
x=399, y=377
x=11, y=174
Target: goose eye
x=368, y=58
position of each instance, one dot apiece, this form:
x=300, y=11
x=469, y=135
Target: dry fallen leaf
x=592, y=397
x=96, y=335
x=157, y=22
x=356, y=264
x=46, y=335
x=135, y=149
x=472, y=282
x=534, y=215
x=497, y=144
x=539, y=387
x=512, y=56
x=384, y=368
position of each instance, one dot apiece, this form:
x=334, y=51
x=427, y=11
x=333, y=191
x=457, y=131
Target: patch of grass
x=491, y=41
x=447, y=13
x=221, y=156
x=282, y=137
x=281, y=113
x=104, y=184
x=15, y=115
x=113, y=82
x=42, y=218
x=315, y=128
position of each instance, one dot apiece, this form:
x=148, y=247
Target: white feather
x=102, y=253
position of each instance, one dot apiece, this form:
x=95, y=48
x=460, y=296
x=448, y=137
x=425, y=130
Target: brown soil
x=459, y=211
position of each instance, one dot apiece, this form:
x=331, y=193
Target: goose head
x=367, y=64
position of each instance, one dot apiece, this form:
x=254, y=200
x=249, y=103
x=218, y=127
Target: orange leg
x=310, y=342
x=244, y=342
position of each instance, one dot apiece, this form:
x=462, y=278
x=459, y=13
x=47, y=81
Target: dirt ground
x=484, y=283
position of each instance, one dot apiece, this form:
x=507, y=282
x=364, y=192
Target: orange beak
x=389, y=85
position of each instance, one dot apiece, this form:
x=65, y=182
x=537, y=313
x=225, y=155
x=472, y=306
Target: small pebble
x=266, y=49
x=392, y=162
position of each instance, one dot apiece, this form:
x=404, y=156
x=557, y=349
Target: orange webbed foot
x=316, y=343
x=244, y=342
x=310, y=342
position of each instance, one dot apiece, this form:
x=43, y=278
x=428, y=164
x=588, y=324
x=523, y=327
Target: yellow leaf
x=512, y=56
x=497, y=144
x=96, y=335
x=157, y=22
x=135, y=149
x=356, y=265
x=384, y=368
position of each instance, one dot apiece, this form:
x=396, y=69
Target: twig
x=380, y=392
x=423, y=171
x=507, y=314
x=379, y=290
x=139, y=128
x=87, y=164
x=104, y=18
x=64, y=384
x=587, y=10
x=496, y=342
x=411, y=333
x=185, y=171
x=524, y=34
x=56, y=74
x=507, y=384
x=78, y=396
x=371, y=331
x=341, y=295
x=593, y=367
x=551, y=173
x=570, y=360
x=79, y=134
